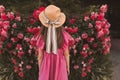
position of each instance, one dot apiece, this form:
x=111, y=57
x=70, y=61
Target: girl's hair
x=60, y=38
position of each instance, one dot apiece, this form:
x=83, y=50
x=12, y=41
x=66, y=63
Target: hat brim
x=62, y=19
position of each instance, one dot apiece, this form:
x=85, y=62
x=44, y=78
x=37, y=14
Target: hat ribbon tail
x=51, y=40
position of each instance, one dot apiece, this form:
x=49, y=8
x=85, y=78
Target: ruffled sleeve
x=40, y=42
x=68, y=40
x=37, y=42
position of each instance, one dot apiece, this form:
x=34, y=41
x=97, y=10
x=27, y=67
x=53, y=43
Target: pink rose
x=104, y=44
x=21, y=69
x=107, y=25
x=106, y=39
x=4, y=34
x=106, y=50
x=37, y=12
x=9, y=45
x=88, y=68
x=84, y=54
x=84, y=74
x=20, y=74
x=90, y=25
x=100, y=34
x=85, y=46
x=16, y=68
x=75, y=51
x=41, y=8
x=2, y=8
x=26, y=39
x=18, y=46
x=98, y=25
x=104, y=22
x=32, y=21
x=20, y=54
x=18, y=18
x=14, y=53
x=6, y=25
x=10, y=15
x=35, y=30
x=84, y=35
x=86, y=18
x=78, y=39
x=29, y=30
x=31, y=47
x=106, y=31
x=76, y=67
x=20, y=35
x=74, y=46
x=14, y=39
x=14, y=25
x=90, y=39
x=104, y=8
x=4, y=16
x=69, y=30
x=91, y=61
x=101, y=16
x=33, y=42
x=29, y=51
x=75, y=29
x=72, y=21
x=13, y=61
x=93, y=15
x=28, y=66
x=83, y=69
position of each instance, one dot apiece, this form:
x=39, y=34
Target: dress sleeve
x=39, y=42
x=68, y=39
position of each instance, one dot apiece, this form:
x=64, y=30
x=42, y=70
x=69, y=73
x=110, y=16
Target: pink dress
x=53, y=67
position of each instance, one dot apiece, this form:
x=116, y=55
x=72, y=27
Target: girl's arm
x=40, y=57
x=66, y=54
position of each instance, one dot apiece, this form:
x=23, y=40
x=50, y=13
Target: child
x=52, y=45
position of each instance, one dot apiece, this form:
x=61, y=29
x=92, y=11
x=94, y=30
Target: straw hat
x=52, y=13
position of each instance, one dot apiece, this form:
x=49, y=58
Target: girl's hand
x=68, y=71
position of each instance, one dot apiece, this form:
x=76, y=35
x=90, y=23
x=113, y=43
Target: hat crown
x=52, y=12
x=52, y=15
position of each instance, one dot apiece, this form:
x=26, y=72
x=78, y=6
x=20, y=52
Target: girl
x=53, y=46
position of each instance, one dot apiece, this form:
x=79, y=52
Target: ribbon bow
x=51, y=35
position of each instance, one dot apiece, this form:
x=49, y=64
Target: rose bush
x=17, y=56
